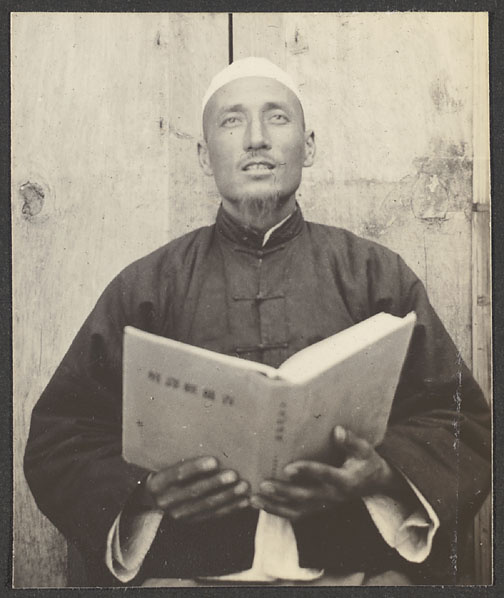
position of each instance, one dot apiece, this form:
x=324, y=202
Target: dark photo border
x=496, y=20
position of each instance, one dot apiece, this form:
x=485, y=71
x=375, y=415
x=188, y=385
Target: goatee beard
x=259, y=209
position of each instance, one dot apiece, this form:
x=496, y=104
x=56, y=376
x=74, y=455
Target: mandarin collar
x=242, y=235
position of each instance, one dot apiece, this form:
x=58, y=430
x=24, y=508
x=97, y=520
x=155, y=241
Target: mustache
x=255, y=157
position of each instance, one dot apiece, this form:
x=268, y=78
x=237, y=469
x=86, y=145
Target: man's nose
x=256, y=135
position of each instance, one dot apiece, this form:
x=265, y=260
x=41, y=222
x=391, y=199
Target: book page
x=313, y=360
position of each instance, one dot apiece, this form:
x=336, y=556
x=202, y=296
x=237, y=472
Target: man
x=262, y=284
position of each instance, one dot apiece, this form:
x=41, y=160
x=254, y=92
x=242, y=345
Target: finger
x=351, y=444
x=285, y=491
x=196, y=489
x=236, y=505
x=180, y=473
x=325, y=499
x=282, y=510
x=209, y=503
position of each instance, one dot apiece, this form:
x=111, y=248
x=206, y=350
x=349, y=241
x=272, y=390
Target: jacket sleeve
x=73, y=461
x=439, y=428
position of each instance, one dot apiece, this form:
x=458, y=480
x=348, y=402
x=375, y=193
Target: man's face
x=256, y=144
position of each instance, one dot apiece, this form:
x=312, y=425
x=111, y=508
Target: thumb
x=351, y=444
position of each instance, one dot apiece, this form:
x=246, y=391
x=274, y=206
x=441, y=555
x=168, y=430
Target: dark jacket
x=219, y=289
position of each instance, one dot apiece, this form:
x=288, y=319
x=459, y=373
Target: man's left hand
x=312, y=486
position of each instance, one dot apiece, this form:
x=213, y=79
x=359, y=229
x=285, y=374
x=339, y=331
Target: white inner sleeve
x=410, y=533
x=125, y=559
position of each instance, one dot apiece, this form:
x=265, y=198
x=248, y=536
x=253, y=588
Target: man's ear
x=204, y=158
x=310, y=148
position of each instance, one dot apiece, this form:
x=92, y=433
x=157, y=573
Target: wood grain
x=105, y=119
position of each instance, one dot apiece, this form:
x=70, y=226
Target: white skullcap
x=249, y=67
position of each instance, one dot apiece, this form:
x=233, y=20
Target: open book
x=181, y=401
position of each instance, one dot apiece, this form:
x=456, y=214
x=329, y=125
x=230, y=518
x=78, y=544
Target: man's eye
x=279, y=118
x=230, y=121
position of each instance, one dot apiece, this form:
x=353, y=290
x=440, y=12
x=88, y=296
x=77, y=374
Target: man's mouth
x=258, y=166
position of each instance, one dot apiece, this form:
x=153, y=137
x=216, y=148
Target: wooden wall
x=105, y=117
x=399, y=106
x=104, y=128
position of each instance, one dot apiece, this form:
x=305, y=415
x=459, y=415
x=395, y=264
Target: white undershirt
x=270, y=231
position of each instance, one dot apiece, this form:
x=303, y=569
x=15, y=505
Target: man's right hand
x=194, y=490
